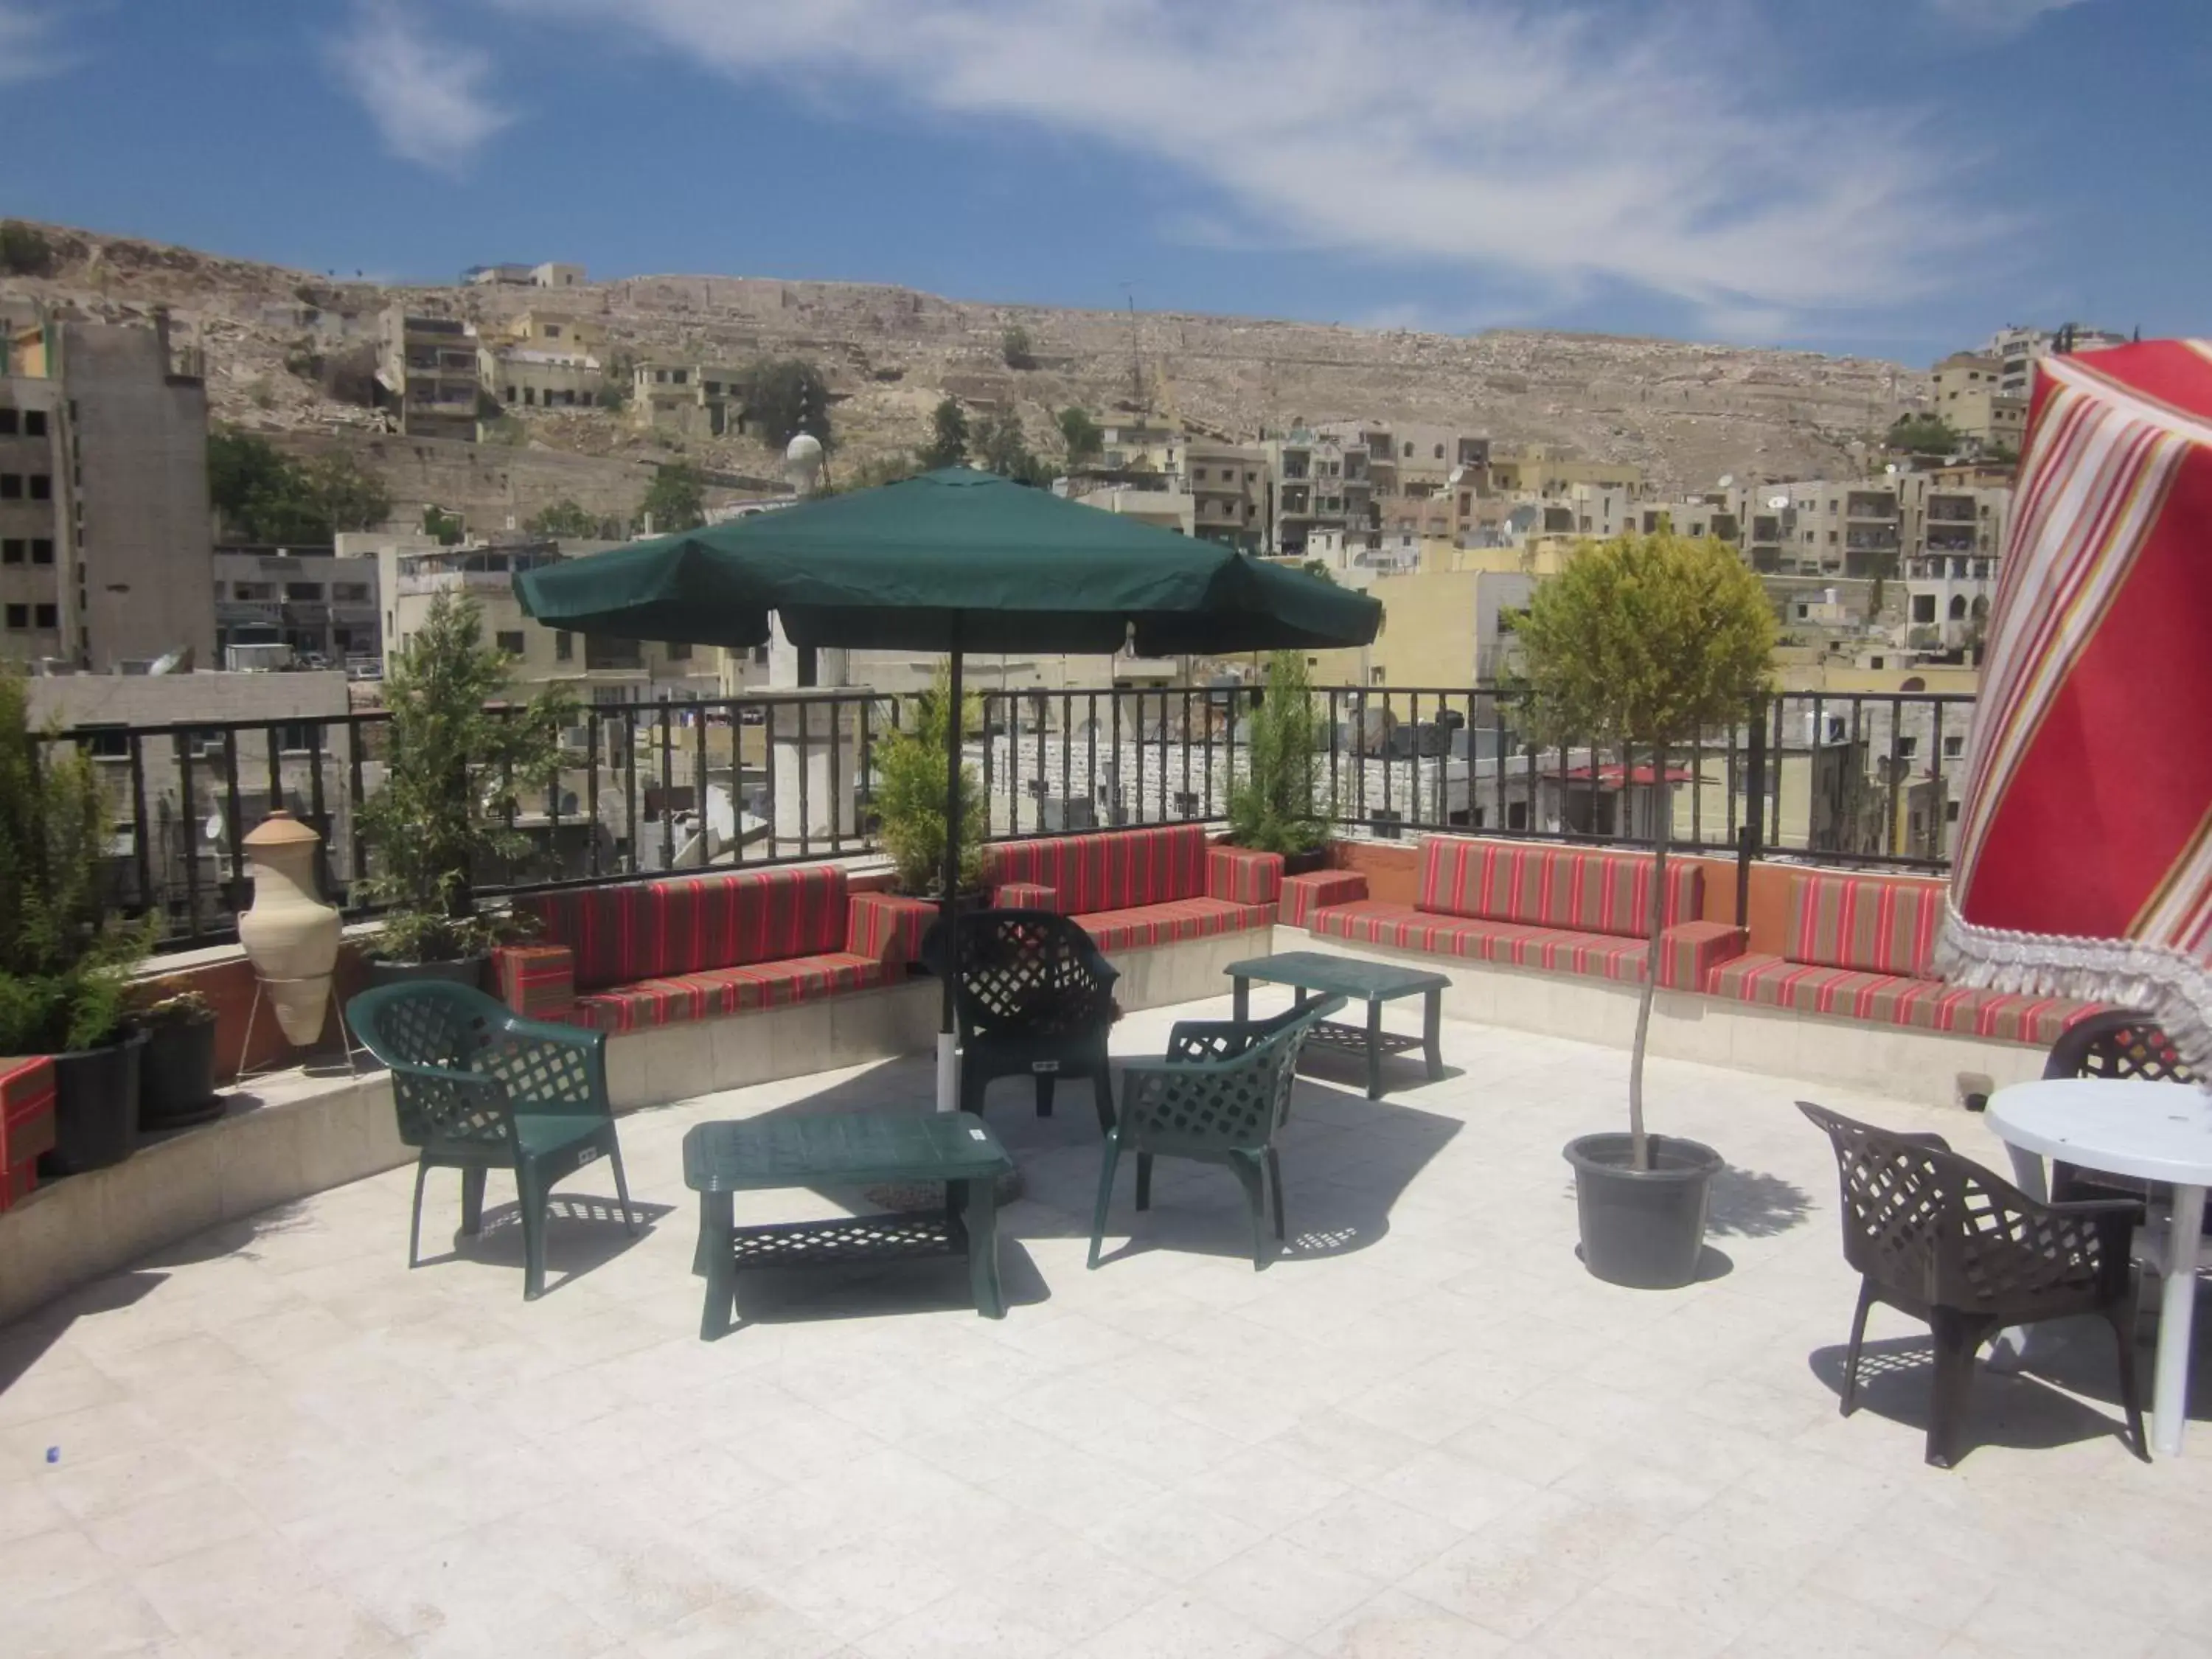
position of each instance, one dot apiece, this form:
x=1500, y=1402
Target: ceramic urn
x=291, y=937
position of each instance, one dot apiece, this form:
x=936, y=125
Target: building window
x=42, y=487
x=11, y=551
x=306, y=591
x=1439, y=455
x=350, y=592
x=299, y=736
x=7, y=422
x=11, y=486
x=1923, y=608
x=42, y=550
x=564, y=649
x=1907, y=747
x=19, y=618
x=49, y=616
x=680, y=650
x=1954, y=748
x=553, y=332
x=109, y=743
x=511, y=642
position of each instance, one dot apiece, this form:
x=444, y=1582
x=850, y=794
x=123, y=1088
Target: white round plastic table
x=2152, y=1131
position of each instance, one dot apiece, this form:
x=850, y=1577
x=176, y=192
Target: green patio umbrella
x=954, y=561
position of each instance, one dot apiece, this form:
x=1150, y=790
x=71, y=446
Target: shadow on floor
x=583, y=1231
x=2017, y=1410
x=861, y=1290
x=1345, y=1160
x=1749, y=1203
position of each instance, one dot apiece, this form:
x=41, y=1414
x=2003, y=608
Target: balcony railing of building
x=650, y=788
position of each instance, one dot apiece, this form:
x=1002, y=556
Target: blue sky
x=1893, y=176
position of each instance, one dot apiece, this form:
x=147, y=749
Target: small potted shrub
x=909, y=796
x=1278, y=805
x=176, y=1070
x=1646, y=642
x=65, y=962
x=457, y=766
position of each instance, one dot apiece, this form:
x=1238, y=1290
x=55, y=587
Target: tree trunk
x=1662, y=824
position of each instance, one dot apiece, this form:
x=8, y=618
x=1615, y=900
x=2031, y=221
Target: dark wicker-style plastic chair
x=1939, y=1238
x=477, y=1087
x=1034, y=999
x=2118, y=1044
x=1220, y=1096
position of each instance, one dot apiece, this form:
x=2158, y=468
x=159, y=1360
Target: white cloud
x=427, y=97
x=1553, y=145
x=27, y=51
x=2001, y=17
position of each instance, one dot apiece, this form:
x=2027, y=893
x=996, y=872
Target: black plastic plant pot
x=176, y=1075
x=95, y=1108
x=1643, y=1228
x=468, y=971
x=1305, y=864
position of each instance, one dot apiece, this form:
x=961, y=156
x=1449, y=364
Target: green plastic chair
x=477, y=1086
x=1221, y=1094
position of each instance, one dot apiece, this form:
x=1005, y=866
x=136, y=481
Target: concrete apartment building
x=1321, y=483
x=1969, y=400
x=2018, y=349
x=104, y=549
x=1539, y=471
x=695, y=400
x=430, y=372
x=317, y=606
x=550, y=275
x=1230, y=486
x=413, y=571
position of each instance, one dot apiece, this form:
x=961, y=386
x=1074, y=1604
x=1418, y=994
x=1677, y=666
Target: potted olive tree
x=1278, y=805
x=455, y=766
x=1645, y=642
x=909, y=795
x=65, y=962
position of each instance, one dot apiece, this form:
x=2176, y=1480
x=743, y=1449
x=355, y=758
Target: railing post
x=1751, y=836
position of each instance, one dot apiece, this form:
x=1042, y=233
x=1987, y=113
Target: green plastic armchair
x=1221, y=1094
x=477, y=1086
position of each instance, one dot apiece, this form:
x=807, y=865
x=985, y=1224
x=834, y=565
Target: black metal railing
x=642, y=789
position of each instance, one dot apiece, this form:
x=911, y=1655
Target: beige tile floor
x=1424, y=1432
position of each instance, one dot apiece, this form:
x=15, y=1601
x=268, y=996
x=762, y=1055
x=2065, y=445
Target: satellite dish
x=1891, y=469
x=1457, y=473
x=214, y=827
x=1727, y=479
x=1777, y=502
x=167, y=662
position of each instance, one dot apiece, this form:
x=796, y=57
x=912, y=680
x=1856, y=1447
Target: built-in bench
x=1132, y=889
x=1559, y=910
x=1860, y=947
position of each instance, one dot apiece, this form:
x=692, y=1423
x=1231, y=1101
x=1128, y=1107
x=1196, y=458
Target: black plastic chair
x=1034, y=999
x=1939, y=1238
x=2118, y=1044
x=477, y=1087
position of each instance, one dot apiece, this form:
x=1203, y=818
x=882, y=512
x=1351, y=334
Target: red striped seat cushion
x=1576, y=887
x=666, y=929
x=714, y=991
x=1304, y=898
x=1144, y=924
x=1927, y=1005
x=1877, y=925
x=1683, y=950
x=1116, y=870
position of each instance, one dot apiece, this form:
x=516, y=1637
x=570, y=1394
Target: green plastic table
x=1373, y=982
x=857, y=1149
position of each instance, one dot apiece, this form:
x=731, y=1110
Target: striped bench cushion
x=888, y=928
x=27, y=1123
x=1576, y=887
x=1685, y=953
x=538, y=981
x=1875, y=924
x=718, y=991
x=1927, y=1005
x=1115, y=870
x=1244, y=876
x=1144, y=924
x=1026, y=896
x=1305, y=896
x=664, y=929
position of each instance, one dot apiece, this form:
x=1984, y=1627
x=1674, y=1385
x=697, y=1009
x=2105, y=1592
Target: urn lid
x=281, y=829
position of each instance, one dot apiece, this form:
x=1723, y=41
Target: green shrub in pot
x=1279, y=804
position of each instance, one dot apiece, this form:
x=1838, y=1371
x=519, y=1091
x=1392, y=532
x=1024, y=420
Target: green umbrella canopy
x=953, y=560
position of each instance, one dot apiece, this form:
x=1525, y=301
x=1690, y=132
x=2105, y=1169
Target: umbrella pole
x=948, y=1059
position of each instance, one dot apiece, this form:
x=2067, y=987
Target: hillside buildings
x=428, y=370
x=551, y=275
x=1970, y=399
x=2017, y=350
x=277, y=607
x=105, y=548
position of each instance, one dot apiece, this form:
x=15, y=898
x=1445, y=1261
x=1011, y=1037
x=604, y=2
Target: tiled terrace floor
x=1424, y=1433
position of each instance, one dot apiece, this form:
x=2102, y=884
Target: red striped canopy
x=2084, y=863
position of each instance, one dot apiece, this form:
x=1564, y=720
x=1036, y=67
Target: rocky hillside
x=280, y=345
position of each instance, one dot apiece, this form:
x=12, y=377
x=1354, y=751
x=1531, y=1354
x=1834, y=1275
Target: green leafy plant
x=65, y=962
x=909, y=793
x=266, y=495
x=1922, y=434
x=1646, y=642
x=564, y=519
x=948, y=436
x=456, y=763
x=1278, y=805
x=1080, y=435
x=1014, y=348
x=446, y=528
x=783, y=396
x=24, y=250
x=677, y=498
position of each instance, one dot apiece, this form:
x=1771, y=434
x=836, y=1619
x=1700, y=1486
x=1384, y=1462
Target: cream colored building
x=1229, y=486
x=556, y=330
x=1970, y=399
x=430, y=372
x=542, y=377
x=696, y=400
x=1540, y=471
